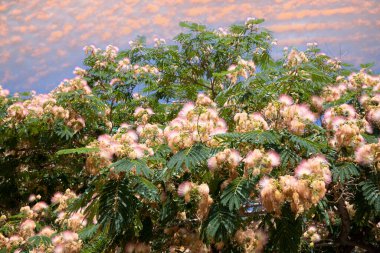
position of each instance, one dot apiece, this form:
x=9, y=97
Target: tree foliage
x=240, y=153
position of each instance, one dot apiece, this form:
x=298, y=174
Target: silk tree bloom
x=152, y=134
x=285, y=99
x=111, y=52
x=184, y=190
x=47, y=231
x=344, y=111
x=251, y=239
x=316, y=166
x=258, y=162
x=249, y=122
x=66, y=242
x=195, y=123
x=302, y=191
x=40, y=206
x=3, y=92
x=91, y=49
x=76, y=124
x=348, y=134
x=225, y=164
x=373, y=116
x=294, y=117
x=332, y=93
x=369, y=155
x=27, y=228
x=143, y=114
x=296, y=58
x=203, y=189
x=76, y=221
x=270, y=195
x=14, y=240
x=79, y=72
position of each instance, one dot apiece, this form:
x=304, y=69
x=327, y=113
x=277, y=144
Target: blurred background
x=41, y=41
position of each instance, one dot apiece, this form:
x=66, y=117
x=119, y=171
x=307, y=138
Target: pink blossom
x=69, y=236
x=274, y=158
x=212, y=163
x=56, y=198
x=285, y=99
x=40, y=206
x=184, y=188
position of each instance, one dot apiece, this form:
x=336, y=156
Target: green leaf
x=190, y=157
x=98, y=244
x=88, y=232
x=117, y=208
x=236, y=193
x=371, y=193
x=220, y=225
x=38, y=240
x=344, y=172
x=77, y=151
x=367, y=65
x=193, y=26
x=65, y=133
x=145, y=188
x=125, y=164
x=289, y=157
x=254, y=137
x=370, y=138
x=287, y=232
x=309, y=146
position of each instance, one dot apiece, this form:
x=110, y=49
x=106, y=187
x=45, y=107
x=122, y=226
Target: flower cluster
x=312, y=235
x=36, y=107
x=225, y=162
x=362, y=80
x=159, y=42
x=143, y=114
x=296, y=58
x=33, y=222
x=338, y=113
x=302, y=191
x=137, y=247
x=285, y=114
x=45, y=106
x=125, y=66
x=75, y=84
x=195, y=123
x=259, y=162
x=4, y=93
x=187, y=190
x=335, y=63
x=123, y=144
x=369, y=155
x=355, y=82
x=151, y=134
x=334, y=92
x=249, y=122
x=251, y=239
x=372, y=108
x=122, y=68
x=346, y=127
x=243, y=69
x=185, y=240
x=67, y=242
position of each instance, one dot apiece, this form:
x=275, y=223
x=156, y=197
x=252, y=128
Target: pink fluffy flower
x=212, y=163
x=274, y=158
x=184, y=188
x=285, y=99
x=39, y=206
x=365, y=155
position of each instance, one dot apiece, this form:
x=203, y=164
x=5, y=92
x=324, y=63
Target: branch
x=344, y=240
